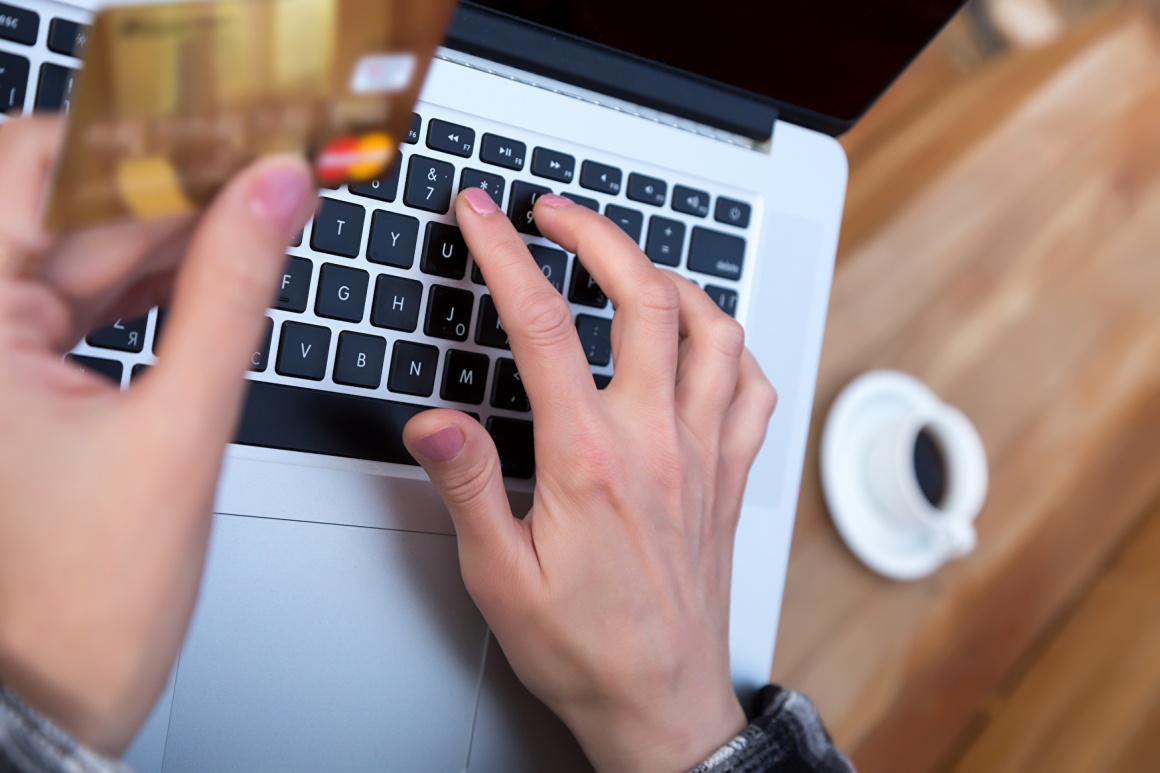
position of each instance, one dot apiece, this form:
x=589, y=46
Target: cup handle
x=961, y=540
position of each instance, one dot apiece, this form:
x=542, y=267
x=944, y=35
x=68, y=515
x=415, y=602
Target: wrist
x=86, y=700
x=660, y=739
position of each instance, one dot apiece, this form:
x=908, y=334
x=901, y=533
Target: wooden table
x=1022, y=282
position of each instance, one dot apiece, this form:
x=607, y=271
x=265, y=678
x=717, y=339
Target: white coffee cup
x=894, y=478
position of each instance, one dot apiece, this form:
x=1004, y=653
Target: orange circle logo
x=354, y=159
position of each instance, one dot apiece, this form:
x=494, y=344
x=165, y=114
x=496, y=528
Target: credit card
x=176, y=98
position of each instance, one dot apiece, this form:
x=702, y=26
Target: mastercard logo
x=354, y=159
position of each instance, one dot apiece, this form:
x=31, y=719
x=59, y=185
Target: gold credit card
x=175, y=98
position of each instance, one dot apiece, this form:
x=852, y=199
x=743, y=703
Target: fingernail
x=279, y=197
x=441, y=446
x=480, y=201
x=552, y=200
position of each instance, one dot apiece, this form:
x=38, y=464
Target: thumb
x=223, y=288
x=461, y=460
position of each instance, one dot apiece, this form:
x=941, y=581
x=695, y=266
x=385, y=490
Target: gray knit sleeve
x=30, y=743
x=786, y=737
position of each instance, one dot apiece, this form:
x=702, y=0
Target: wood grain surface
x=1021, y=280
x=1091, y=701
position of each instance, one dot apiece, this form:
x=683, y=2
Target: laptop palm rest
x=324, y=647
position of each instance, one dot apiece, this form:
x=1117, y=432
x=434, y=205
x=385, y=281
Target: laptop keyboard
x=381, y=312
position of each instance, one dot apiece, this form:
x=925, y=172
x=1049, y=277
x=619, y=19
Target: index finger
x=27, y=149
x=537, y=319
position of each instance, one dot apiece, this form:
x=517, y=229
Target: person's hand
x=105, y=497
x=611, y=598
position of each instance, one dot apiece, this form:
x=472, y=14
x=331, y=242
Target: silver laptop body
x=333, y=631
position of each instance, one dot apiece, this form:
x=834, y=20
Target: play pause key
x=500, y=151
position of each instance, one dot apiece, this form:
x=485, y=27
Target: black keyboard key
x=19, y=25
x=732, y=212
x=666, y=240
x=315, y=422
x=394, y=238
x=303, y=351
x=14, y=72
x=429, y=185
x=716, y=254
x=492, y=184
x=449, y=313
x=630, y=220
x=725, y=299
x=514, y=441
x=602, y=380
x=124, y=335
x=489, y=331
x=360, y=360
x=584, y=290
x=596, y=338
x=601, y=177
x=552, y=262
x=583, y=201
x=647, y=190
x=464, y=377
x=261, y=356
x=338, y=228
x=54, y=93
x=415, y=131
x=451, y=138
x=397, y=302
x=553, y=165
x=342, y=293
x=110, y=369
x=413, y=369
x=508, y=390
x=500, y=151
x=295, y=289
x=386, y=187
x=139, y=371
x=67, y=37
x=444, y=252
x=522, y=206
x=691, y=201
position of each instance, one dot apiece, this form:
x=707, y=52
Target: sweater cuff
x=786, y=737
x=30, y=743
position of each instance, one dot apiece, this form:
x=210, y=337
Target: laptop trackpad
x=319, y=647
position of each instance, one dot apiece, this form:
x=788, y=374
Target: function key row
x=554, y=165
x=22, y=25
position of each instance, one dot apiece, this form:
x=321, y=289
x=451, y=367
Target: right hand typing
x=611, y=598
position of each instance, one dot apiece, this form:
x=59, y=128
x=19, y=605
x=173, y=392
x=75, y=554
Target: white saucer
x=868, y=405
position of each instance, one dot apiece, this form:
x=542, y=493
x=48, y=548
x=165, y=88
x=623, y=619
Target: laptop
x=333, y=631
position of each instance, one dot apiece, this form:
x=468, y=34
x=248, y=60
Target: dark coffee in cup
x=930, y=467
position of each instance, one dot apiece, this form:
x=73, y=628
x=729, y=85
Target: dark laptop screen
x=831, y=57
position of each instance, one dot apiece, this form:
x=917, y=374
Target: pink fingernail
x=480, y=201
x=279, y=197
x=552, y=200
x=441, y=446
